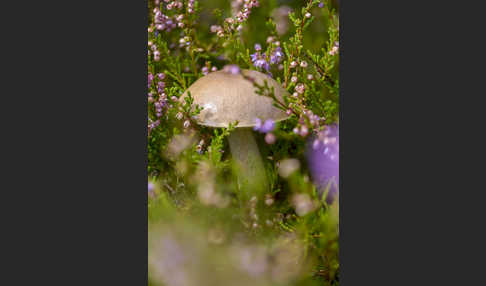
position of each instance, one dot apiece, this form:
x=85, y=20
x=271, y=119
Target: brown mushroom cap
x=226, y=98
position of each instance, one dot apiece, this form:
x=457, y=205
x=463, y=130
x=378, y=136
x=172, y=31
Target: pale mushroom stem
x=246, y=154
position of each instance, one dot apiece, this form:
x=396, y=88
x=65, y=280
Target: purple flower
x=160, y=86
x=277, y=56
x=254, y=57
x=266, y=127
x=323, y=158
x=261, y=63
x=258, y=124
x=205, y=70
x=232, y=69
x=321, y=4
x=151, y=189
x=258, y=59
x=150, y=79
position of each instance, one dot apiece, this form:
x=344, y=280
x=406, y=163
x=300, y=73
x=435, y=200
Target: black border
x=75, y=153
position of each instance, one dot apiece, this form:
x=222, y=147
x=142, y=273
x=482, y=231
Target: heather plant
x=204, y=228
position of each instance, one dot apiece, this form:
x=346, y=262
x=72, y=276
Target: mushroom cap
x=226, y=98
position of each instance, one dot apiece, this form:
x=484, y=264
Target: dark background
x=74, y=123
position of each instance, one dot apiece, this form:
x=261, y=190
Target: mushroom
x=227, y=97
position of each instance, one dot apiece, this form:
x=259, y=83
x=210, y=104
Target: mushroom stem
x=246, y=154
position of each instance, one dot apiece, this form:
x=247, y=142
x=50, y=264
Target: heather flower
x=160, y=86
x=303, y=204
x=199, y=146
x=277, y=56
x=314, y=119
x=270, y=138
x=303, y=131
x=287, y=167
x=258, y=124
x=321, y=5
x=303, y=64
x=307, y=15
x=259, y=61
x=300, y=88
x=156, y=56
x=190, y=6
x=215, y=28
x=258, y=47
x=232, y=69
x=254, y=57
x=324, y=160
x=334, y=49
x=153, y=124
x=151, y=189
x=150, y=79
x=205, y=70
x=268, y=126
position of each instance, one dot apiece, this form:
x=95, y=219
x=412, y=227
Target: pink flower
x=300, y=88
x=270, y=138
